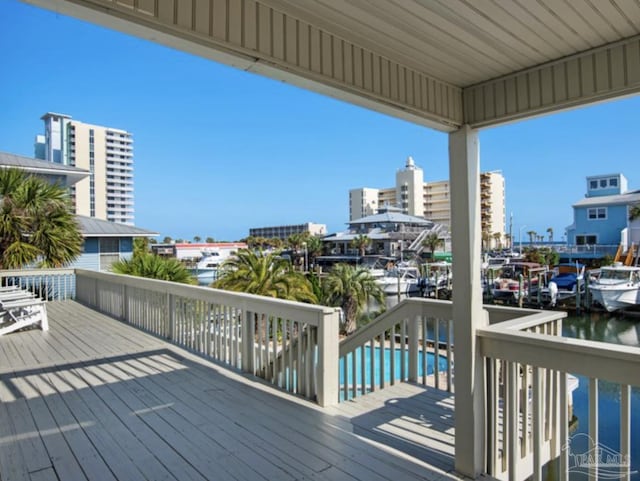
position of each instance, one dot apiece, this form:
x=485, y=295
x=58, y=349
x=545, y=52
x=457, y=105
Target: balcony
x=140, y=379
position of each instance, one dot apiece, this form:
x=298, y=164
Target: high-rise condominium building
x=430, y=199
x=107, y=153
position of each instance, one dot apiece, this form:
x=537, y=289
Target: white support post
x=414, y=336
x=328, y=375
x=248, y=333
x=468, y=314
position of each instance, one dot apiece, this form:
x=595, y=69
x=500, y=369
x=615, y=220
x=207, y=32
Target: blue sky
x=218, y=150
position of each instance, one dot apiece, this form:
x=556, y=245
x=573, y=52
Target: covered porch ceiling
x=439, y=63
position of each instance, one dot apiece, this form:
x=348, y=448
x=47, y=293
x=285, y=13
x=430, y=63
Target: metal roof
x=391, y=218
x=37, y=166
x=92, y=227
x=619, y=199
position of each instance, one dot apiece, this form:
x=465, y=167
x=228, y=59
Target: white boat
x=438, y=281
x=617, y=287
x=400, y=280
x=376, y=265
x=206, y=270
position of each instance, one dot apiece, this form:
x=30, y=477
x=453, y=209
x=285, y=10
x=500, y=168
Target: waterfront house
x=64, y=175
x=391, y=233
x=104, y=242
x=602, y=217
x=97, y=399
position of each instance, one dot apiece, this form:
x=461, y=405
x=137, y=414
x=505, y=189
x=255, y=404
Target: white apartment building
x=107, y=153
x=284, y=231
x=430, y=200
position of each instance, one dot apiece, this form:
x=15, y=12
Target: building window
x=109, y=252
x=597, y=213
x=613, y=182
x=582, y=240
x=603, y=183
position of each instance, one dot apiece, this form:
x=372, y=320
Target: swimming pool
x=386, y=366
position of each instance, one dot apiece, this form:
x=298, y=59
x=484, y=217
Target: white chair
x=16, y=295
x=20, y=313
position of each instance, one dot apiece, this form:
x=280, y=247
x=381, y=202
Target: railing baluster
x=537, y=424
x=403, y=349
x=363, y=370
x=299, y=370
x=310, y=378
x=392, y=357
x=289, y=324
x=345, y=377
x=436, y=353
x=492, y=417
x=425, y=364
x=512, y=419
x=381, y=359
x=502, y=365
x=564, y=428
x=449, y=357
x=625, y=432
x=524, y=402
x=372, y=363
x=593, y=424
x=354, y=371
x=274, y=347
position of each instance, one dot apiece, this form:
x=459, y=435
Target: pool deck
x=94, y=399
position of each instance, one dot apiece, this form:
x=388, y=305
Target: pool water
x=442, y=366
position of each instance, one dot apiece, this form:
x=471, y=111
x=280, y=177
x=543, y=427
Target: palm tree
x=36, y=222
x=497, y=237
x=486, y=237
x=296, y=241
x=264, y=274
x=197, y=238
x=210, y=240
x=507, y=240
x=361, y=242
x=351, y=288
x=314, y=247
x=634, y=212
x=550, y=232
x=152, y=266
x=532, y=235
x=432, y=241
x=140, y=246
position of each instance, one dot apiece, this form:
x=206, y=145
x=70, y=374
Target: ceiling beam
x=600, y=74
x=254, y=37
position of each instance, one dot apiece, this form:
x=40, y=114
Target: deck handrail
x=49, y=284
x=386, y=320
x=244, y=331
x=529, y=398
x=304, y=312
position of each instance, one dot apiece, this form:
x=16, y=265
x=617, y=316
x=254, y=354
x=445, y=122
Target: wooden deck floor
x=96, y=399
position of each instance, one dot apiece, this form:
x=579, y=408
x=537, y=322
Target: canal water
x=616, y=330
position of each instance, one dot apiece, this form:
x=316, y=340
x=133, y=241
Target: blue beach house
x=104, y=242
x=602, y=217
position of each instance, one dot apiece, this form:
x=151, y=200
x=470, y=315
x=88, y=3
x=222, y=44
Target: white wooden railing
x=407, y=343
x=294, y=346
x=413, y=342
x=48, y=284
x=244, y=331
x=527, y=409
